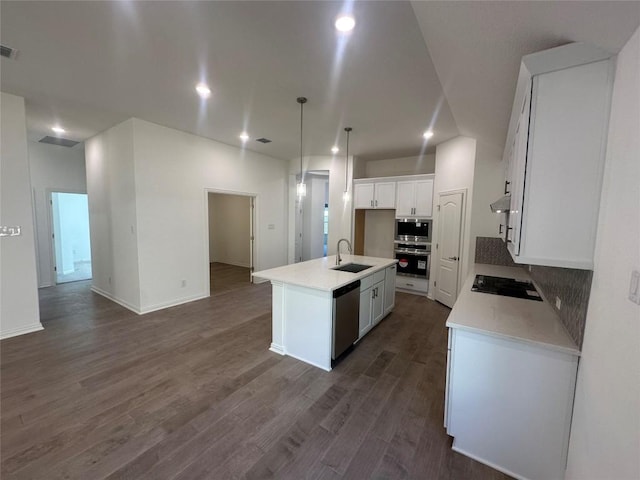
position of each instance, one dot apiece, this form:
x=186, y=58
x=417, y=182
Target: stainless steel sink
x=352, y=267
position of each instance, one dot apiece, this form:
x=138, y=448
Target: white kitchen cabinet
x=555, y=149
x=372, y=296
x=508, y=404
x=389, y=289
x=414, y=198
x=374, y=194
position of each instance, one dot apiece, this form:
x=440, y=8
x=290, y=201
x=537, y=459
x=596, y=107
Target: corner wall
x=455, y=166
x=19, y=308
x=173, y=171
x=605, y=434
x=112, y=215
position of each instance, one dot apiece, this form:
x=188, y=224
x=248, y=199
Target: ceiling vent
x=263, y=140
x=8, y=52
x=64, y=142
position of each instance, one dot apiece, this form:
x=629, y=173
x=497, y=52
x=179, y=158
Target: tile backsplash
x=572, y=286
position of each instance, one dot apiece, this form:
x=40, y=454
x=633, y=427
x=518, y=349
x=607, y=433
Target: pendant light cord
x=346, y=166
x=301, y=101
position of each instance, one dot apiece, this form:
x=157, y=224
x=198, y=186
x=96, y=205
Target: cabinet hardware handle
x=506, y=235
x=453, y=258
x=500, y=230
x=506, y=187
x=409, y=284
x=372, y=203
x=376, y=203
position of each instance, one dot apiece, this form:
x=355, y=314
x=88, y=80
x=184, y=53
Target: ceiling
x=407, y=67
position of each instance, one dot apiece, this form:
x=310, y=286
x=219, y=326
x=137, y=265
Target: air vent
x=263, y=140
x=64, y=142
x=8, y=52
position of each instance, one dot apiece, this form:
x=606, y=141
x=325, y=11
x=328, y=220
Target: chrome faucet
x=338, y=259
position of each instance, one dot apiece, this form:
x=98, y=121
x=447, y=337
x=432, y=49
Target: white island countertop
x=526, y=320
x=318, y=273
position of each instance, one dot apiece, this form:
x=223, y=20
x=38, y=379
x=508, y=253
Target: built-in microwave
x=413, y=229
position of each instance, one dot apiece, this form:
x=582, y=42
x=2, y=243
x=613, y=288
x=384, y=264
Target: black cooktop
x=508, y=287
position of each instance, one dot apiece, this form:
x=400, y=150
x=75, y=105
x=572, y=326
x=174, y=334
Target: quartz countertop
x=318, y=273
x=514, y=318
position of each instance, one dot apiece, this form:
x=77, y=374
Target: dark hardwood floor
x=192, y=392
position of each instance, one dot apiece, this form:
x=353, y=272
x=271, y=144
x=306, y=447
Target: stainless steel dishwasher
x=346, y=313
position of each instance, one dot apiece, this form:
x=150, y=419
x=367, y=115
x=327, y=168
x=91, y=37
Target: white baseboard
x=149, y=309
x=490, y=464
x=173, y=303
x=123, y=303
x=34, y=327
x=279, y=349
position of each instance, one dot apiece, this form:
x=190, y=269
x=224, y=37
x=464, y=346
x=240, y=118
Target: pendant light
x=301, y=188
x=345, y=194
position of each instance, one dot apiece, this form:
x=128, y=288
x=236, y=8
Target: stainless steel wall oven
x=412, y=247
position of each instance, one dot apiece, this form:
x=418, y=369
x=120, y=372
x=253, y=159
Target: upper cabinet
x=374, y=194
x=555, y=155
x=414, y=198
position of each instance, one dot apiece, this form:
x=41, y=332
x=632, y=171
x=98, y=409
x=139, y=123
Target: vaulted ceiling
x=406, y=67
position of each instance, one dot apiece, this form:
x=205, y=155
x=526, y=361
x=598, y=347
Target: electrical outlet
x=183, y=283
x=558, y=303
x=529, y=267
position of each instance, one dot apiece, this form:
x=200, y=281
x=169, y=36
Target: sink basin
x=352, y=267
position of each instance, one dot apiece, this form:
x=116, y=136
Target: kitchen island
x=303, y=303
x=511, y=373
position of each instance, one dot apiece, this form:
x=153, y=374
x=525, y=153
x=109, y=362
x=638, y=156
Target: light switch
x=271, y=226
x=634, y=287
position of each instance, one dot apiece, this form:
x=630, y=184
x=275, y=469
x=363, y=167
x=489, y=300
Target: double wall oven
x=412, y=247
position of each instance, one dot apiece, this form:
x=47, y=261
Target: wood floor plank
x=193, y=392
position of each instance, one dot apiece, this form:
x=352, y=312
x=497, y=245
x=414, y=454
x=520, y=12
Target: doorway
x=70, y=237
x=312, y=217
x=451, y=206
x=231, y=240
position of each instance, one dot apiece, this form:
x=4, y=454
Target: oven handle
x=418, y=253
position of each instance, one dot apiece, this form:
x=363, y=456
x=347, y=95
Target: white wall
x=488, y=186
x=230, y=229
x=605, y=435
x=112, y=215
x=455, y=166
x=53, y=168
x=400, y=166
x=19, y=310
x=379, y=233
x=340, y=212
x=173, y=170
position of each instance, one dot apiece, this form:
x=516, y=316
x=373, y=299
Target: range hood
x=501, y=205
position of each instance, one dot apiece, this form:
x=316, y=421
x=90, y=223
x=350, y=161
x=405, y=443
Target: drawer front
x=378, y=276
x=366, y=282
x=411, y=283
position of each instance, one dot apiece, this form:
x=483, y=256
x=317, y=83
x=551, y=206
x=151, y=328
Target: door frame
x=53, y=280
x=253, y=232
x=437, y=226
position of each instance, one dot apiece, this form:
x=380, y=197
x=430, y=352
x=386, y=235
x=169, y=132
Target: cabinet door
x=377, y=306
x=518, y=176
x=424, y=198
x=365, y=323
x=389, y=289
x=385, y=195
x=405, y=199
x=363, y=195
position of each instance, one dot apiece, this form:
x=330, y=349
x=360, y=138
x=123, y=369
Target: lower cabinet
x=508, y=404
x=375, y=301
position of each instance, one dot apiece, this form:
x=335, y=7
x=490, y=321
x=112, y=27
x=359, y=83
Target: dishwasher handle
x=338, y=292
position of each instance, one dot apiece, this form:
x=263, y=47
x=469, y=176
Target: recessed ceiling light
x=345, y=23
x=428, y=134
x=203, y=90
x=58, y=129
x=244, y=136
x=334, y=149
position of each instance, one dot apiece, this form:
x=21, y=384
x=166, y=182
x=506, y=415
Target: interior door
x=449, y=229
